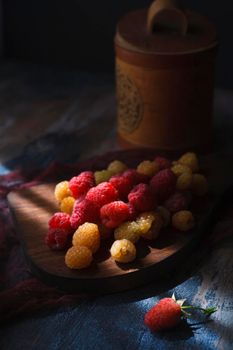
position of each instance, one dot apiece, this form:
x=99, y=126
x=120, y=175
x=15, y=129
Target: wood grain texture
x=32, y=209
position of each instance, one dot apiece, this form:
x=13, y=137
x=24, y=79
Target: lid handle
x=167, y=15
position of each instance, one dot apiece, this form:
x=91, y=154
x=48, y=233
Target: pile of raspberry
x=124, y=204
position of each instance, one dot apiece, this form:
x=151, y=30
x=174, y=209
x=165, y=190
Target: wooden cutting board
x=33, y=207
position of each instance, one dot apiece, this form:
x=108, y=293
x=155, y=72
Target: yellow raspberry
x=123, y=251
x=150, y=224
x=128, y=230
x=144, y=221
x=179, y=169
x=62, y=190
x=87, y=235
x=190, y=159
x=184, y=182
x=78, y=257
x=199, y=185
x=67, y=205
x=183, y=220
x=102, y=176
x=117, y=167
x=147, y=167
x=165, y=215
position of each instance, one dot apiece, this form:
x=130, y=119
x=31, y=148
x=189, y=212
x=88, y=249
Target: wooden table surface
x=52, y=113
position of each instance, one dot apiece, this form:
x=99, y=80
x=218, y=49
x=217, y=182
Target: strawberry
x=168, y=312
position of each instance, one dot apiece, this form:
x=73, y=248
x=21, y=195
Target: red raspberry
x=84, y=211
x=176, y=202
x=134, y=177
x=102, y=194
x=133, y=213
x=141, y=198
x=122, y=184
x=61, y=221
x=163, y=163
x=163, y=184
x=114, y=213
x=164, y=315
x=57, y=238
x=79, y=185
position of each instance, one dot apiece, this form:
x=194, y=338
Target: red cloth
x=20, y=292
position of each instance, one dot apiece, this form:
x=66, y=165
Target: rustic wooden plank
x=32, y=209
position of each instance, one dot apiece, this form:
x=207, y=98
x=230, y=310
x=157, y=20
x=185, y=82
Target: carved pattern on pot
x=130, y=107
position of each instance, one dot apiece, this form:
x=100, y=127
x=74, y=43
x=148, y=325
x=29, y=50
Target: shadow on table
x=183, y=331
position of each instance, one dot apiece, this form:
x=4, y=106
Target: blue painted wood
x=49, y=114
x=116, y=321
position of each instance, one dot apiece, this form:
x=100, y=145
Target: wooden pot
x=165, y=78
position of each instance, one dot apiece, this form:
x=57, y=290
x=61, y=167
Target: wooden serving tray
x=33, y=207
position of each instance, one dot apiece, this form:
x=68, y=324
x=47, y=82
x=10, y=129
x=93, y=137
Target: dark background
x=80, y=33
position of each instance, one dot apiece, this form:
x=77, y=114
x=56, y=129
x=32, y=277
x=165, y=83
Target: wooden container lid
x=165, y=29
